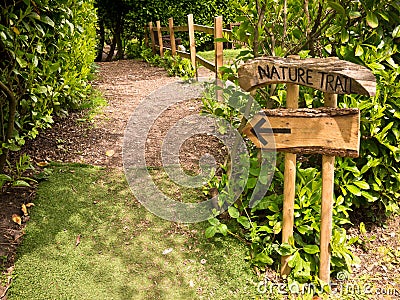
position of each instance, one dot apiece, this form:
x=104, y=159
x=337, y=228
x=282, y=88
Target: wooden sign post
x=328, y=131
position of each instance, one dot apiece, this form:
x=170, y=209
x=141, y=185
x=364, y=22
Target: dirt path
x=124, y=84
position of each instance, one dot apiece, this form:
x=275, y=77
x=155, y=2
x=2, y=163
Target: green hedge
x=47, y=49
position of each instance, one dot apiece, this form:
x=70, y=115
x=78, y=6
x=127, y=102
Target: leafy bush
x=365, y=32
x=260, y=226
x=175, y=65
x=47, y=49
x=134, y=49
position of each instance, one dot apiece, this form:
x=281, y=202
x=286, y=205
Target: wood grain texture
x=160, y=40
x=205, y=29
x=218, y=46
x=172, y=36
x=328, y=175
x=192, y=42
x=329, y=75
x=153, y=40
x=325, y=131
x=289, y=183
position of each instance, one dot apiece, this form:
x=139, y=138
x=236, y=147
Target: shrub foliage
x=47, y=49
x=365, y=32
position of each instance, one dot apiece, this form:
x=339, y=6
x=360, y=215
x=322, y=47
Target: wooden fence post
x=160, y=41
x=328, y=168
x=153, y=42
x=289, y=183
x=219, y=46
x=192, y=42
x=172, y=36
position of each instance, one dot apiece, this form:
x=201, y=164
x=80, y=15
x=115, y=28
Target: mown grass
x=120, y=254
x=229, y=55
x=122, y=249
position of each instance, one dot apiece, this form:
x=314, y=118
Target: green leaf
x=21, y=183
x=333, y=30
x=396, y=32
x=254, y=171
x=264, y=258
x=295, y=260
x=47, y=20
x=311, y=249
x=264, y=178
x=368, y=196
x=22, y=63
x=3, y=36
x=35, y=61
x=251, y=183
x=353, y=189
x=362, y=185
x=359, y=51
x=223, y=229
x=224, y=40
x=344, y=37
x=213, y=221
x=41, y=89
x=336, y=6
x=354, y=14
x=376, y=66
x=34, y=15
x=210, y=231
x=362, y=228
x=4, y=177
x=328, y=48
x=233, y=212
x=372, y=20
x=384, y=16
x=304, y=229
x=244, y=222
x=286, y=249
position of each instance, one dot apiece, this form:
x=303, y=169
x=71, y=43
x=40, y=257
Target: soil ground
x=124, y=84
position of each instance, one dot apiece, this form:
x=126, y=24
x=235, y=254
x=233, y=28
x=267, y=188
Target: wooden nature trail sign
x=329, y=75
x=324, y=131
x=328, y=131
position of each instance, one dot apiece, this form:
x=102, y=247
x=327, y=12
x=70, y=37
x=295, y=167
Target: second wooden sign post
x=328, y=131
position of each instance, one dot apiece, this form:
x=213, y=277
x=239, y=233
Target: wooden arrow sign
x=329, y=75
x=326, y=131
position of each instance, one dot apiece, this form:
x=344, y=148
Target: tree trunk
x=100, y=45
x=112, y=49
x=118, y=39
x=261, y=7
x=120, y=49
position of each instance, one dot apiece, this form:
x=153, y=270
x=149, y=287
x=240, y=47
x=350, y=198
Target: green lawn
x=229, y=55
x=125, y=252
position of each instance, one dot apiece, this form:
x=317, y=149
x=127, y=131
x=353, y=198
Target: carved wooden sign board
x=329, y=75
x=324, y=131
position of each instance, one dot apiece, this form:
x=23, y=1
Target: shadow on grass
x=124, y=252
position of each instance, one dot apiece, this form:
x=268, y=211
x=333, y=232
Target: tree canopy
x=125, y=19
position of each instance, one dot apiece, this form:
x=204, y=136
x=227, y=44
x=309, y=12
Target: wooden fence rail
x=157, y=41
